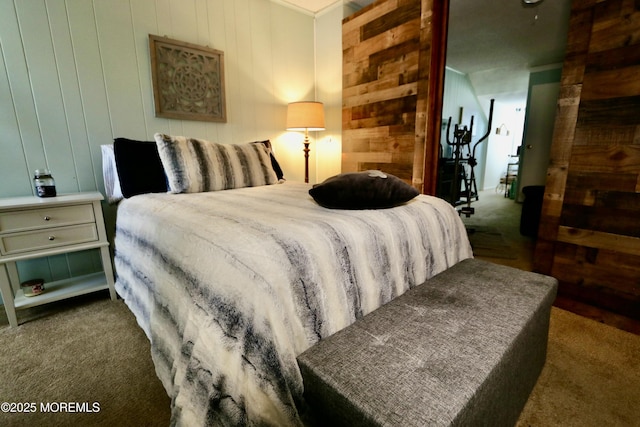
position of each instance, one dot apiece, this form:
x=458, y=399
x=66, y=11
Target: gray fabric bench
x=464, y=348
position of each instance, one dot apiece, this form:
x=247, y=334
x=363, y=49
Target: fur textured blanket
x=230, y=286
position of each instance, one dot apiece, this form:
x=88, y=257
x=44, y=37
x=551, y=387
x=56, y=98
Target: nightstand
x=33, y=227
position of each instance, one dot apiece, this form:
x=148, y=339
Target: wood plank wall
x=381, y=77
x=589, y=235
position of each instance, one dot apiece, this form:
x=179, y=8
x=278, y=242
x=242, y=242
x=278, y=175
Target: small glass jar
x=44, y=183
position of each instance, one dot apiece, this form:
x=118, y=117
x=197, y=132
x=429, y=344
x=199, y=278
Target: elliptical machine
x=461, y=142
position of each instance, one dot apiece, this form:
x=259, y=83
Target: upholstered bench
x=464, y=348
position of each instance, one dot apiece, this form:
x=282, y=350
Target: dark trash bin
x=531, y=208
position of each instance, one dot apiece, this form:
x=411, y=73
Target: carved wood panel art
x=188, y=80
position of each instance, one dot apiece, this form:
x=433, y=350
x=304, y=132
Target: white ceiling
x=315, y=6
x=496, y=42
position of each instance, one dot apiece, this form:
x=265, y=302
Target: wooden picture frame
x=188, y=80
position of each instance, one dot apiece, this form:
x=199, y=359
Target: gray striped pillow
x=196, y=165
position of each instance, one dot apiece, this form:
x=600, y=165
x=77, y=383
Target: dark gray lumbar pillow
x=362, y=190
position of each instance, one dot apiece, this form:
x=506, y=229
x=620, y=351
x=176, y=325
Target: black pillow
x=139, y=167
x=362, y=190
x=274, y=163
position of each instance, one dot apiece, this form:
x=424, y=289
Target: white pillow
x=110, y=174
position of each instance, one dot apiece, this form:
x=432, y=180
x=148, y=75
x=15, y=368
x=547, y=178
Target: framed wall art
x=188, y=80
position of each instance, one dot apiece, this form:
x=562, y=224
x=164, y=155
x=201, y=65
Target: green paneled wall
x=75, y=74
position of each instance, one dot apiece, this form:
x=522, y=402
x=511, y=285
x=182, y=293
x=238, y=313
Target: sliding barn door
x=390, y=105
x=589, y=234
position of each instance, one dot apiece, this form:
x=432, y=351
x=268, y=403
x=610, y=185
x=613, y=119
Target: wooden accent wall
x=589, y=235
x=386, y=88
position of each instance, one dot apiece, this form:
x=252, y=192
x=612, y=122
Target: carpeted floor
x=90, y=350
x=488, y=242
x=498, y=220
x=591, y=377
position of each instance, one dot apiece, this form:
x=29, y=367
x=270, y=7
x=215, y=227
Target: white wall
x=509, y=117
x=544, y=86
x=329, y=90
x=541, y=116
x=76, y=74
x=326, y=146
x=459, y=93
x=493, y=153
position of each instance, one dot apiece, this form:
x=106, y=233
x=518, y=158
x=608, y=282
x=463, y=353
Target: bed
x=230, y=286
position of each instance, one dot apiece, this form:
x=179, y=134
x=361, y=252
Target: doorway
x=494, y=51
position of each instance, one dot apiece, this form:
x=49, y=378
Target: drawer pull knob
x=52, y=238
x=47, y=218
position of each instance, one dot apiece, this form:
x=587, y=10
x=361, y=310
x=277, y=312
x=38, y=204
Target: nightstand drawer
x=45, y=239
x=32, y=219
x=37, y=227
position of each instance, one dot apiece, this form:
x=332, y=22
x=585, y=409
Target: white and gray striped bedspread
x=230, y=286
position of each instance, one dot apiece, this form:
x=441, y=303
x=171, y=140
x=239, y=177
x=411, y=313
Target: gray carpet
x=91, y=350
x=488, y=242
x=87, y=350
x=591, y=377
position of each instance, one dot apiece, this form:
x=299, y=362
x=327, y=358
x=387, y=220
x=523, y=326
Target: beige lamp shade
x=306, y=115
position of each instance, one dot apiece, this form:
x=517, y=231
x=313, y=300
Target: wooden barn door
x=589, y=235
x=393, y=68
